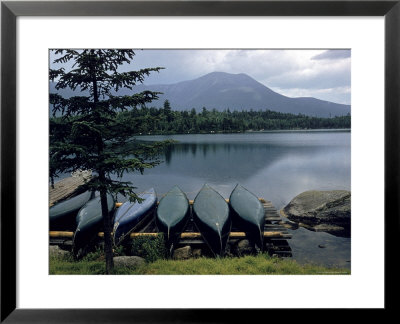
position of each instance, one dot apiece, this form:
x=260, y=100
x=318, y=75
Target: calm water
x=274, y=165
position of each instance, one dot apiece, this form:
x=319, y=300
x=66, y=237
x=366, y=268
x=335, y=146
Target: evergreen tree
x=167, y=111
x=88, y=135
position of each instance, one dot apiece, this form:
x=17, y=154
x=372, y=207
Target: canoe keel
x=248, y=215
x=216, y=240
x=211, y=215
x=254, y=232
x=173, y=213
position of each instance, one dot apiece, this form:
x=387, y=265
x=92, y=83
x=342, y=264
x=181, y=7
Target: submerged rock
x=322, y=211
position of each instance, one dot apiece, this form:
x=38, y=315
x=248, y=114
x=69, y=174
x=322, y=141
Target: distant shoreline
x=301, y=130
x=319, y=130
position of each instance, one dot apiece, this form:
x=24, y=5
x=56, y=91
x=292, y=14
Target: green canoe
x=63, y=214
x=248, y=214
x=211, y=216
x=173, y=212
x=90, y=222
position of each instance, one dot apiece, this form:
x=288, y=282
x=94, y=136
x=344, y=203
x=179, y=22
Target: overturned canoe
x=173, y=212
x=63, y=215
x=211, y=216
x=90, y=222
x=248, y=214
x=131, y=215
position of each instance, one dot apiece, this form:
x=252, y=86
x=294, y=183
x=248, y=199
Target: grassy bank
x=261, y=264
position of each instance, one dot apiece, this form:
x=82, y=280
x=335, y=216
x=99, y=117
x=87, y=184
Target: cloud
x=333, y=55
x=287, y=70
x=339, y=95
x=314, y=75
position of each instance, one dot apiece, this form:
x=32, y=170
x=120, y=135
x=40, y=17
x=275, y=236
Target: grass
x=153, y=251
x=261, y=264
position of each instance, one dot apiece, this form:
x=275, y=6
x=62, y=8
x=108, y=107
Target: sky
x=322, y=74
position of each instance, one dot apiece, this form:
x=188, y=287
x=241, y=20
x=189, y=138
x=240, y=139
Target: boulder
x=243, y=247
x=197, y=253
x=323, y=211
x=183, y=253
x=56, y=251
x=130, y=262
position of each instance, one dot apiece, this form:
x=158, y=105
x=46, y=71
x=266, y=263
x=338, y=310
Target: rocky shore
x=321, y=211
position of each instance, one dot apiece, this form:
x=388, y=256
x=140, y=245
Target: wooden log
x=54, y=234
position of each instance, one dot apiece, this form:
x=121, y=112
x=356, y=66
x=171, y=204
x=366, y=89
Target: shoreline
x=310, y=130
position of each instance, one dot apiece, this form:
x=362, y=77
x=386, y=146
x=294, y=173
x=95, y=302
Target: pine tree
x=88, y=135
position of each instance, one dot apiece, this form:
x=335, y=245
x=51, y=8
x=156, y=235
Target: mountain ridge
x=221, y=91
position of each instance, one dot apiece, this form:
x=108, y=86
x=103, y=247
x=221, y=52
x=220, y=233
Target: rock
x=54, y=250
x=333, y=229
x=183, y=253
x=197, y=253
x=289, y=224
x=244, y=247
x=130, y=262
x=326, y=211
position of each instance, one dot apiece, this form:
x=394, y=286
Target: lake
x=273, y=165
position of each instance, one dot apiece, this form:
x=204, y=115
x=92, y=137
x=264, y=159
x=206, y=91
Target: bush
x=119, y=250
x=96, y=255
x=151, y=248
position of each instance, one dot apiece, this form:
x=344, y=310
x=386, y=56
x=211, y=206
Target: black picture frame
x=10, y=10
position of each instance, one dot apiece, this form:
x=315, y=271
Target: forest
x=160, y=121
x=167, y=121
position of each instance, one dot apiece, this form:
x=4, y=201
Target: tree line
x=164, y=120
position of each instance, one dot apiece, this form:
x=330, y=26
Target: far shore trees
x=166, y=120
x=88, y=135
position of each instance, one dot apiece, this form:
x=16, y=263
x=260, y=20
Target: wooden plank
x=65, y=188
x=190, y=242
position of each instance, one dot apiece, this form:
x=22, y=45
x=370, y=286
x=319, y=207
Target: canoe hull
x=90, y=222
x=216, y=240
x=62, y=216
x=172, y=215
x=211, y=216
x=131, y=216
x=248, y=214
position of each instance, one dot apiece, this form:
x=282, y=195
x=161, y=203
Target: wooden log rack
x=275, y=235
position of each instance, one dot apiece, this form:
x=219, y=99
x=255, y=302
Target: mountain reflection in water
x=276, y=166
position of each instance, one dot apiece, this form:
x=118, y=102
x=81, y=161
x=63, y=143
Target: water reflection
x=277, y=166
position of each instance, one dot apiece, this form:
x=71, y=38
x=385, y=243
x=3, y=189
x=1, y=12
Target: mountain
x=222, y=90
